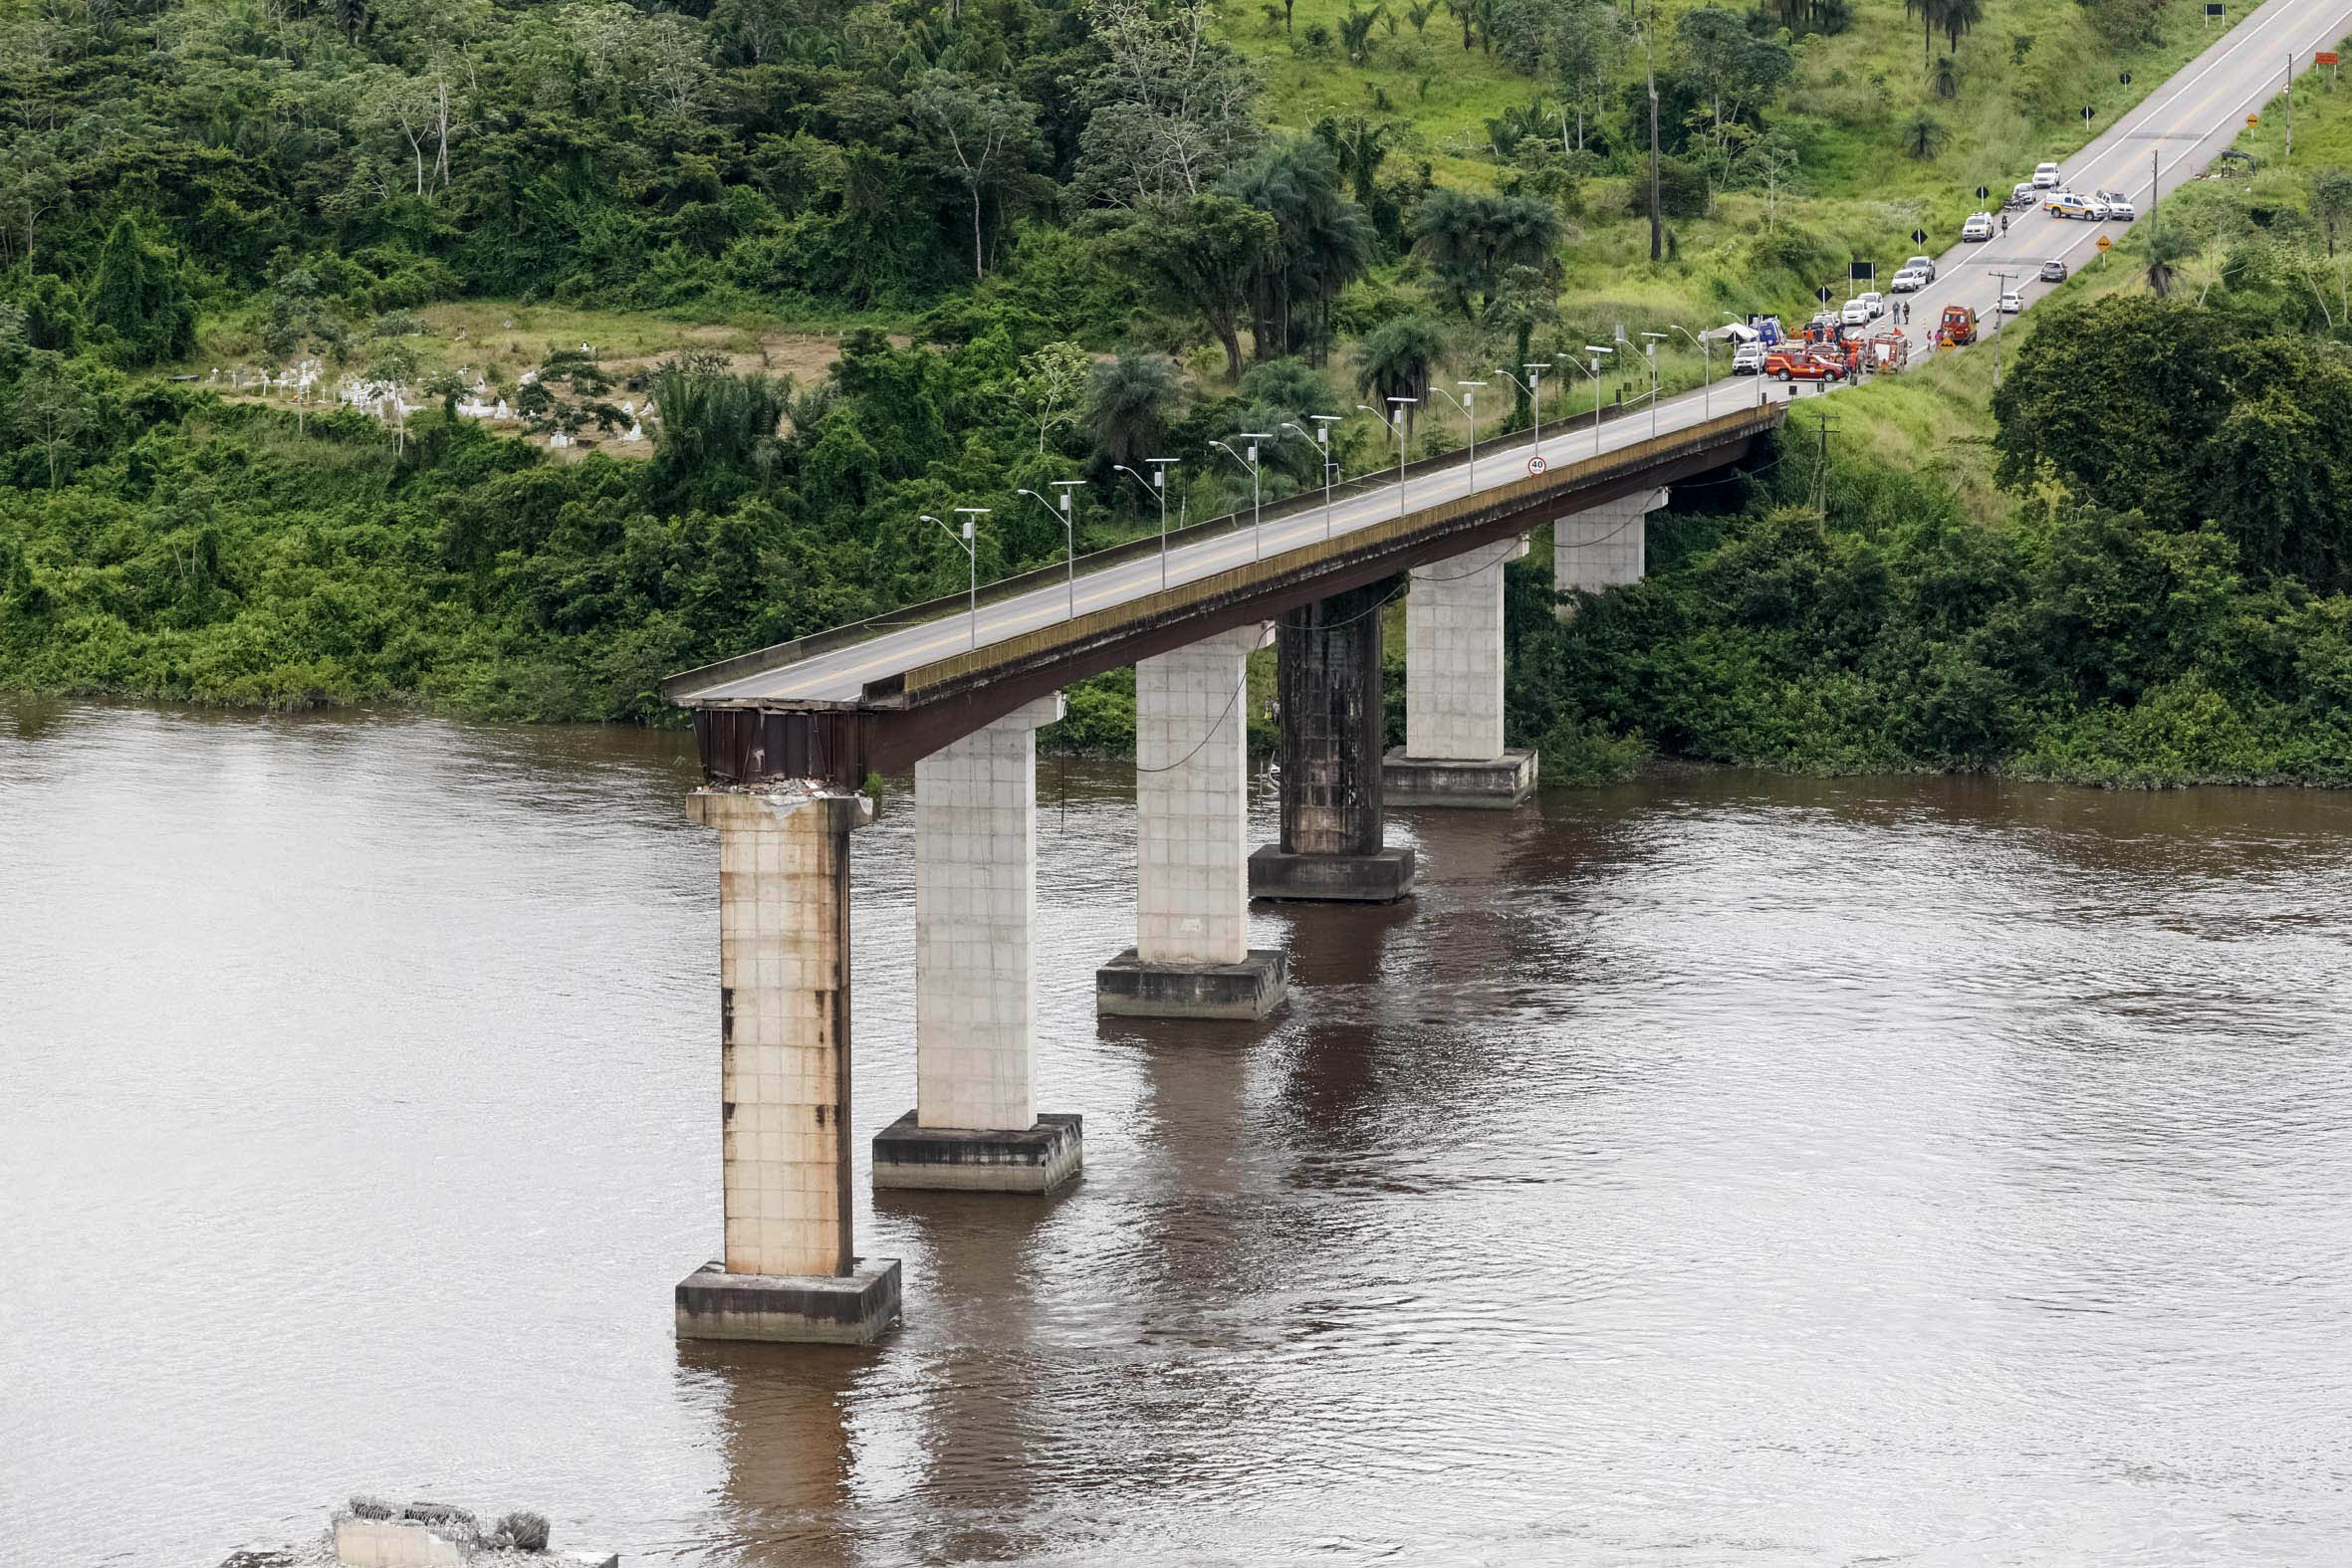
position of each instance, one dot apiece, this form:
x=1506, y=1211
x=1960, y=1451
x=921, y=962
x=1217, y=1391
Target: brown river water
x=1724, y=1169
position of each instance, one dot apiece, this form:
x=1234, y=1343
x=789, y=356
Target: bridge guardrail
x=777, y=656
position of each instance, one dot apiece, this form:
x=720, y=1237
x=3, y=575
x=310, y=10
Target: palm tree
x=1396, y=359
x=1957, y=17
x=1930, y=13
x=1323, y=241
x=2166, y=248
x=1946, y=77
x=1131, y=401
x=1923, y=136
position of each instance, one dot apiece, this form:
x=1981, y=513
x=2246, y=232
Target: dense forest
x=1053, y=239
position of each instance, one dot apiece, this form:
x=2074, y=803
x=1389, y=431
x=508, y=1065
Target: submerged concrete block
x=955, y=1159
x=1497, y=783
x=834, y=1309
x=1130, y=987
x=1379, y=878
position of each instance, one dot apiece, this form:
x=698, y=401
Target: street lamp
x=1322, y=442
x=1596, y=350
x=1158, y=487
x=971, y=550
x=1650, y=351
x=1069, y=532
x=1396, y=427
x=1706, y=372
x=1466, y=402
x=1257, y=543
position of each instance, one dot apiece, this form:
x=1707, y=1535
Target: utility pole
x=2290, y=104
x=1821, y=469
x=1650, y=70
x=1997, y=314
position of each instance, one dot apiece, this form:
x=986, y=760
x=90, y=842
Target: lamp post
x=1595, y=373
x=1467, y=402
x=1069, y=532
x=1158, y=487
x=1706, y=370
x=1650, y=351
x=1257, y=543
x=971, y=551
x=1323, y=445
x=1396, y=427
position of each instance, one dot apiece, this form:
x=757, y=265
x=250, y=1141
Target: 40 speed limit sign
x=1536, y=465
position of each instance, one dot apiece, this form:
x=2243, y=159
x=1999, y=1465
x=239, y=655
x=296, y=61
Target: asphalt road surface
x=2171, y=137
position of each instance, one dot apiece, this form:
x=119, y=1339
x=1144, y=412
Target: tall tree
x=988, y=136
x=1201, y=252
x=1130, y=404
x=1323, y=241
x=136, y=289
x=1470, y=239
x=1397, y=358
x=51, y=411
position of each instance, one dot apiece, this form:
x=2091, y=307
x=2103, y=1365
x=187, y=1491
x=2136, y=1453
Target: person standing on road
x=2004, y=224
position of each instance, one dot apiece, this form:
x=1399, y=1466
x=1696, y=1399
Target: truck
x=1792, y=363
x=1958, y=329
x=1889, y=352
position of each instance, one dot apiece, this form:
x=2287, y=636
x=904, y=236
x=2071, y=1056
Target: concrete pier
x=1452, y=753
x=1603, y=545
x=790, y=1271
x=1192, y=956
x=1332, y=845
x=975, y=1124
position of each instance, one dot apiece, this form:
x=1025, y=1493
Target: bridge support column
x=1332, y=720
x=1602, y=545
x=975, y=1125
x=1452, y=753
x=789, y=1272
x=1192, y=956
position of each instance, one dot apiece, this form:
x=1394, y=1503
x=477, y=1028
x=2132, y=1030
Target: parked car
x=2010, y=303
x=2118, y=209
x=1873, y=301
x=2053, y=271
x=1824, y=322
x=2022, y=194
x=1749, y=358
x=1907, y=282
x=2068, y=204
x=1925, y=266
x=1855, y=313
x=1979, y=226
x=2045, y=177
x=1790, y=363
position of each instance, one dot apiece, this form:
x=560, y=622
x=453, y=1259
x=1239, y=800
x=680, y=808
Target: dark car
x=2053, y=272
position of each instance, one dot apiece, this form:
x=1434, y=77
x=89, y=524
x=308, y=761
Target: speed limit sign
x=1536, y=465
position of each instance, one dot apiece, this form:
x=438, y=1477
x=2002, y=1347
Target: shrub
x=367, y=1507
x=523, y=1532
x=1582, y=751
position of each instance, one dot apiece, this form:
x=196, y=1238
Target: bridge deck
x=822, y=709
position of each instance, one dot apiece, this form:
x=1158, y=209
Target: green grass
x=1859, y=196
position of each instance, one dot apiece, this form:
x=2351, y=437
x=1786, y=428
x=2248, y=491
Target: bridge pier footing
x=1192, y=956
x=1452, y=753
x=975, y=1126
x=790, y=1271
x=1602, y=547
x=1332, y=847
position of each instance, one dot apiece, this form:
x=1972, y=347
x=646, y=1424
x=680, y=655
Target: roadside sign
x=2086, y=114
x=2124, y=79
x=2253, y=119
x=1536, y=465
x=2325, y=57
x=1984, y=193
x=2210, y=11
x=1823, y=294
x=2215, y=10
x=1862, y=270
x=2104, y=242
x=1919, y=236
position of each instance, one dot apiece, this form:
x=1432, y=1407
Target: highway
x=2185, y=123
